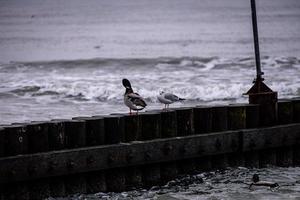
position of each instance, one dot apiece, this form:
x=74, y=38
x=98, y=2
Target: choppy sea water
x=61, y=59
x=65, y=89
x=231, y=184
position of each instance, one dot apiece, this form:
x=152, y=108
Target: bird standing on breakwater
x=132, y=100
x=168, y=98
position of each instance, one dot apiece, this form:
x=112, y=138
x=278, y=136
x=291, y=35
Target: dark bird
x=131, y=99
x=257, y=182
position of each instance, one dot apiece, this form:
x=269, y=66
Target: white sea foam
x=199, y=50
x=86, y=83
x=231, y=184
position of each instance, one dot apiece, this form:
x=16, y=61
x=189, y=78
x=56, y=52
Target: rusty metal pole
x=259, y=73
x=260, y=93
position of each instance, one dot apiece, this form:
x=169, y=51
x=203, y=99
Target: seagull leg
x=130, y=111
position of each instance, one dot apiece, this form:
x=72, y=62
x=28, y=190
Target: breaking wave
x=99, y=80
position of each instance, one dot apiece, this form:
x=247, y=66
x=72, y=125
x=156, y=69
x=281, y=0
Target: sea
x=64, y=59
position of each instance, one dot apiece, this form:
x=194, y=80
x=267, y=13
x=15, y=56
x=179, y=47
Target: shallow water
x=231, y=184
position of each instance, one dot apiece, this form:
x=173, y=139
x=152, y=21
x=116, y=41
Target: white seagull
x=131, y=99
x=168, y=98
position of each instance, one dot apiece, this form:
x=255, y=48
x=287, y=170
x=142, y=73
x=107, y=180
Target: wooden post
x=151, y=175
x=252, y=159
x=268, y=108
x=16, y=143
x=1, y=192
x=16, y=140
x=95, y=130
x=285, y=112
x=219, y=118
x=219, y=123
x=114, y=133
x=185, y=126
x=38, y=137
x=38, y=142
x=75, y=133
x=96, y=182
x=241, y=116
x=56, y=135
x=131, y=127
x=149, y=126
x=168, y=124
x=57, y=187
x=296, y=119
x=220, y=161
x=267, y=157
x=39, y=189
x=204, y=163
x=202, y=119
x=57, y=139
x=285, y=116
x=252, y=115
x=133, y=177
x=75, y=184
x=285, y=156
x=296, y=109
x=187, y=166
x=185, y=121
x=237, y=117
x=16, y=191
x=2, y=141
x=114, y=129
x=115, y=180
x=168, y=170
x=95, y=135
x=296, y=155
x=285, y=152
x=203, y=124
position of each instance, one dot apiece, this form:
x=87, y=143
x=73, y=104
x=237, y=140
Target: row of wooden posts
x=39, y=138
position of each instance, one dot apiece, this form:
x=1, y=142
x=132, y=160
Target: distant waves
x=75, y=87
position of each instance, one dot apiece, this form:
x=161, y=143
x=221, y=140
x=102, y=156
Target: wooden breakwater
x=120, y=152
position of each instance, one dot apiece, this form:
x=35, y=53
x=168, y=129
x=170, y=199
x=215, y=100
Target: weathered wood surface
x=63, y=162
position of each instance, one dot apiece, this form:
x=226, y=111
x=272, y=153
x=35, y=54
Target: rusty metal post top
x=259, y=86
